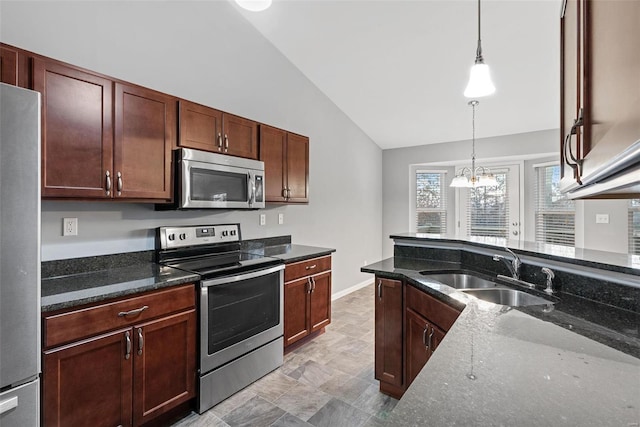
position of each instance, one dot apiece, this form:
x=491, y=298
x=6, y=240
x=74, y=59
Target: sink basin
x=459, y=280
x=510, y=297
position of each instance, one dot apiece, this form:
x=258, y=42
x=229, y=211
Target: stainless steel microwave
x=217, y=181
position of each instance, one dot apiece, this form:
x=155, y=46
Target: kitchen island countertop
x=500, y=365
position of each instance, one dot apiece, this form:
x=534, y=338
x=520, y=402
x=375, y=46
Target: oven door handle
x=244, y=276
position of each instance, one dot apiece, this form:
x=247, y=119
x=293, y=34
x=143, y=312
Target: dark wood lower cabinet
x=389, y=336
x=124, y=377
x=423, y=338
x=307, y=299
x=88, y=383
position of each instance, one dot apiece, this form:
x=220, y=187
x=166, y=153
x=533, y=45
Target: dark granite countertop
x=611, y=261
x=66, y=291
x=574, y=365
x=291, y=253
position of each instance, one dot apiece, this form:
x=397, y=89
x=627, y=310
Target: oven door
x=239, y=314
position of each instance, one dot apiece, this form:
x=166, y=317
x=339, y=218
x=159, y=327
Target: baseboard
x=351, y=289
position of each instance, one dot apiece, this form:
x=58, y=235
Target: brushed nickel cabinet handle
x=119, y=185
x=226, y=143
x=108, y=182
x=429, y=339
x=379, y=289
x=284, y=193
x=310, y=267
x=131, y=312
x=307, y=287
x=313, y=283
x=219, y=141
x=127, y=336
x=140, y=341
x=424, y=336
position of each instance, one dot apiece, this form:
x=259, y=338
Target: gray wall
x=396, y=164
x=207, y=52
x=531, y=148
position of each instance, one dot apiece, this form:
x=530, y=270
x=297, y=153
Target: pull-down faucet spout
x=513, y=265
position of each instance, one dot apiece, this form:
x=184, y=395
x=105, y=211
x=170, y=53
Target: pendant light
x=474, y=176
x=254, y=5
x=480, y=83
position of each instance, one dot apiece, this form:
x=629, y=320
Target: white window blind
x=488, y=208
x=555, y=213
x=634, y=227
x=431, y=203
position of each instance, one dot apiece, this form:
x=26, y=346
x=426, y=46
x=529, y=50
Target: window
x=555, y=213
x=431, y=203
x=634, y=227
x=488, y=209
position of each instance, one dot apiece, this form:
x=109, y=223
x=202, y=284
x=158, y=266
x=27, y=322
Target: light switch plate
x=281, y=218
x=602, y=218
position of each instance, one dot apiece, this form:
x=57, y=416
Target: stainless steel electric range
x=241, y=306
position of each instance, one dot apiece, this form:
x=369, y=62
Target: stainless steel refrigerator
x=19, y=257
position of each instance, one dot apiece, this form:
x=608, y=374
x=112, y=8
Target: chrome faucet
x=550, y=276
x=513, y=265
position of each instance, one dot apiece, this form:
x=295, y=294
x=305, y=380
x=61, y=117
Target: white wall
x=208, y=53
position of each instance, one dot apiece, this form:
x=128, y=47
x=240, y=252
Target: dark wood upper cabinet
x=14, y=66
x=286, y=162
x=600, y=91
x=205, y=128
x=240, y=136
x=145, y=123
x=77, y=138
x=200, y=127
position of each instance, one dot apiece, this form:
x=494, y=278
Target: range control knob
x=225, y=233
x=183, y=236
x=233, y=232
x=171, y=237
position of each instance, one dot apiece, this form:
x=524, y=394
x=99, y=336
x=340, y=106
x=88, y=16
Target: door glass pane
x=218, y=186
x=488, y=209
x=239, y=310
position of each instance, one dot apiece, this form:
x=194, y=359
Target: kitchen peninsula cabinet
x=389, y=367
x=208, y=129
x=286, y=162
x=120, y=363
x=82, y=156
x=427, y=322
x=307, y=298
x=600, y=95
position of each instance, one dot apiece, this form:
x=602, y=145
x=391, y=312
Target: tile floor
x=327, y=382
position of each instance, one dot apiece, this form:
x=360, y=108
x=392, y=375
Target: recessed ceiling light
x=254, y=5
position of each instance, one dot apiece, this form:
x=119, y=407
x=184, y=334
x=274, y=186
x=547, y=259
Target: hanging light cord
x=473, y=138
x=479, y=58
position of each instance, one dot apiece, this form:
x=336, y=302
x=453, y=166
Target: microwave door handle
x=252, y=189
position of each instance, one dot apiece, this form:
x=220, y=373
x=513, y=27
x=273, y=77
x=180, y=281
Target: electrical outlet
x=281, y=218
x=263, y=219
x=69, y=226
x=602, y=218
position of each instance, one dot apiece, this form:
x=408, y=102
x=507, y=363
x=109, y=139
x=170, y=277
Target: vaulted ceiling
x=398, y=68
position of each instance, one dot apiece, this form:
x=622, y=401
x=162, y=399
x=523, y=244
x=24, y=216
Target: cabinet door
x=77, y=137
x=240, y=136
x=272, y=152
x=320, y=305
x=296, y=307
x=89, y=383
x=388, y=331
x=200, y=127
x=164, y=365
x=572, y=83
x=145, y=123
x=418, y=330
x=297, y=168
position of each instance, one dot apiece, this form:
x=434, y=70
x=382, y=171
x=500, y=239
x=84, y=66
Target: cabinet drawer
x=430, y=308
x=306, y=268
x=83, y=323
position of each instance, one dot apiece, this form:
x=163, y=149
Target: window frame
x=414, y=210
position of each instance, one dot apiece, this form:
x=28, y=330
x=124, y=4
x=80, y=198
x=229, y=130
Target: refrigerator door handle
x=9, y=404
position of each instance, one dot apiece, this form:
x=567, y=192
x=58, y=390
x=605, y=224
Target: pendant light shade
x=480, y=83
x=254, y=5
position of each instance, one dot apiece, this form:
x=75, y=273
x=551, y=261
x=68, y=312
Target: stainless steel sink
x=459, y=280
x=505, y=296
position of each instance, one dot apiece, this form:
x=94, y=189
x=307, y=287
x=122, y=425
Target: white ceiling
x=398, y=68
